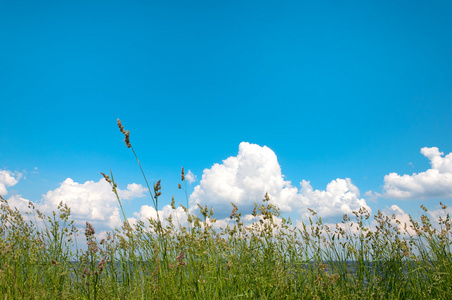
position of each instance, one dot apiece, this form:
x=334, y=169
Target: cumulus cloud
x=245, y=178
x=340, y=197
x=433, y=183
x=20, y=203
x=91, y=201
x=7, y=179
x=133, y=191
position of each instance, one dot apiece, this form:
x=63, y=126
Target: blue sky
x=334, y=89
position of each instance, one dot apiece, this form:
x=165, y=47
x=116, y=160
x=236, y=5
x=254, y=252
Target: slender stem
x=154, y=200
x=186, y=194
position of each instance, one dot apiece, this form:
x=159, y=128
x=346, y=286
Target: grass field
x=364, y=257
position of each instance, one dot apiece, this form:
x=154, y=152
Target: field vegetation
x=363, y=257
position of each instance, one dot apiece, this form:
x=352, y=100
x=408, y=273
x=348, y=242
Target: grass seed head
x=121, y=127
x=127, y=139
x=180, y=259
x=107, y=178
x=173, y=203
x=126, y=134
x=89, y=230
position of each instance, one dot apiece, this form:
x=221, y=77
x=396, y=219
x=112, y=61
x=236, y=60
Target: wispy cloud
x=190, y=177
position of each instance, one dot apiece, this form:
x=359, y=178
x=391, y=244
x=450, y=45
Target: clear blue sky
x=336, y=89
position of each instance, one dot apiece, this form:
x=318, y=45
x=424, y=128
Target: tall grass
x=269, y=258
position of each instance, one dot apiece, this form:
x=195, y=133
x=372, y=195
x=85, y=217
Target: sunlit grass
x=364, y=257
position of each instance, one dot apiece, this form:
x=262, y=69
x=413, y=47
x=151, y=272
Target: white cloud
x=433, y=183
x=190, y=177
x=442, y=164
x=340, y=197
x=133, y=191
x=245, y=178
x=91, y=201
x=21, y=204
x=7, y=179
x=179, y=218
x=439, y=213
x=148, y=212
x=401, y=220
x=396, y=213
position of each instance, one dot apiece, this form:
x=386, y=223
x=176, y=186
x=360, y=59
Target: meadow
x=363, y=257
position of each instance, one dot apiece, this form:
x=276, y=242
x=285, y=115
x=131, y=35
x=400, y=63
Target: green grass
x=374, y=258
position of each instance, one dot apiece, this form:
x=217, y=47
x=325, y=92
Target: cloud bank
x=245, y=178
x=433, y=183
x=90, y=201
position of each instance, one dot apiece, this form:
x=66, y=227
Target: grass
x=376, y=257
